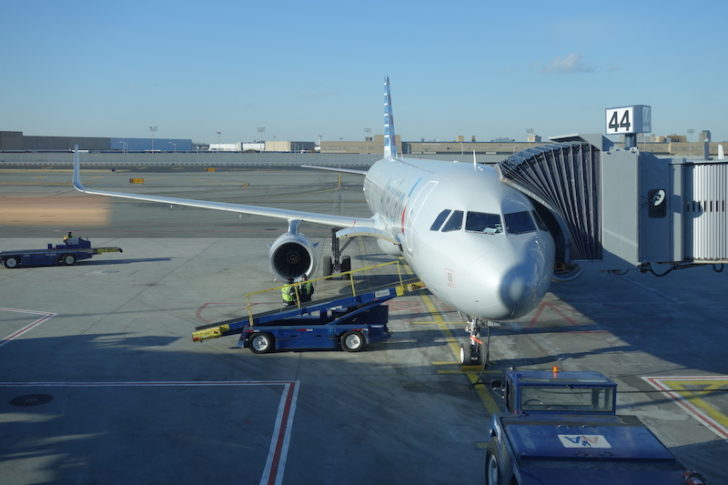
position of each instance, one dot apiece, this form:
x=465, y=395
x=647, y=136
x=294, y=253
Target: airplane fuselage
x=487, y=254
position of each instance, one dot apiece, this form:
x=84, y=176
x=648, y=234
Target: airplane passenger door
x=413, y=210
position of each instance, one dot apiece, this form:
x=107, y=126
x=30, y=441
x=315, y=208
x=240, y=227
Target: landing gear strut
x=471, y=353
x=336, y=263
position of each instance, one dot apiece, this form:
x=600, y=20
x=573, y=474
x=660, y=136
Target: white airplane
x=476, y=243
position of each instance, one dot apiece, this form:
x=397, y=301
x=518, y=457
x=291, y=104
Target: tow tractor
x=562, y=427
x=72, y=250
x=340, y=322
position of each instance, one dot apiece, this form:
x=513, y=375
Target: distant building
x=17, y=141
x=533, y=138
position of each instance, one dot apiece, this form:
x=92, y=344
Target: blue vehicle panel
x=324, y=331
x=72, y=250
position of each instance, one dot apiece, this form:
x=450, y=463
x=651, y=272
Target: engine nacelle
x=291, y=256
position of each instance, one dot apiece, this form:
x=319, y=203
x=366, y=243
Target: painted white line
x=281, y=438
x=712, y=424
x=278, y=452
x=46, y=316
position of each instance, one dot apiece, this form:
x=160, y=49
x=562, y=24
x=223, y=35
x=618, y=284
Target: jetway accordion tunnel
x=617, y=209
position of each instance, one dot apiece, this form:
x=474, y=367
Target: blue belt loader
x=349, y=323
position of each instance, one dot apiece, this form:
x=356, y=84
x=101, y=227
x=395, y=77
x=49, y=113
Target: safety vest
x=306, y=288
x=288, y=293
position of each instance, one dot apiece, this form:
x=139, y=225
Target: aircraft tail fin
x=721, y=154
x=77, y=171
x=390, y=139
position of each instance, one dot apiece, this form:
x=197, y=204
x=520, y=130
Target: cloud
x=569, y=64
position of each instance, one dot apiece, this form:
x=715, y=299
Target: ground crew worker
x=288, y=293
x=306, y=289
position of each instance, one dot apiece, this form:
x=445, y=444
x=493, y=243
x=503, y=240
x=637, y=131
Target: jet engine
x=291, y=256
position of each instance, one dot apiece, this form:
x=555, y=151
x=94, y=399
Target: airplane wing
x=340, y=170
x=287, y=214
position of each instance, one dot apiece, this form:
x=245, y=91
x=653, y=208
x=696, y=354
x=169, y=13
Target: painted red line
x=27, y=328
x=539, y=311
x=198, y=313
x=684, y=402
x=282, y=431
x=144, y=383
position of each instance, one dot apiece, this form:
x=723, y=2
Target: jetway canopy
x=616, y=209
x=565, y=178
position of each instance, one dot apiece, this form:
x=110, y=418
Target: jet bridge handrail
x=401, y=287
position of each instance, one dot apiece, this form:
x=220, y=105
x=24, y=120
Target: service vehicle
x=72, y=250
x=349, y=323
x=562, y=428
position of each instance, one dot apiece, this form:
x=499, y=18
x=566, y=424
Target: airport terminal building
x=17, y=141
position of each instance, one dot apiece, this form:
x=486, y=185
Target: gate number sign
x=628, y=120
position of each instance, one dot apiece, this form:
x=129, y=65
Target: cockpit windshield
x=454, y=223
x=519, y=223
x=483, y=222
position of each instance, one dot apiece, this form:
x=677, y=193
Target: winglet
x=390, y=140
x=77, y=171
x=721, y=154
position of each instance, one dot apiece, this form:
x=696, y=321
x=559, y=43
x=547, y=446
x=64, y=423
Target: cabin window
x=519, y=223
x=484, y=222
x=454, y=223
x=439, y=220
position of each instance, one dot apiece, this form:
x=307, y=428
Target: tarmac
x=100, y=381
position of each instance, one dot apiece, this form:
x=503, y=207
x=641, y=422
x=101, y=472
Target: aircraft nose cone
x=524, y=283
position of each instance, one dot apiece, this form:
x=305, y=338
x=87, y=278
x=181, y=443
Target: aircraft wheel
x=470, y=355
x=328, y=266
x=353, y=341
x=492, y=474
x=346, y=266
x=68, y=259
x=11, y=262
x=261, y=343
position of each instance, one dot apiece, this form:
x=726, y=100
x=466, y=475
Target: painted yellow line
x=688, y=398
x=692, y=396
x=484, y=395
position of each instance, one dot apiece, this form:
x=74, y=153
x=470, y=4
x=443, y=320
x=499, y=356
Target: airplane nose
x=524, y=281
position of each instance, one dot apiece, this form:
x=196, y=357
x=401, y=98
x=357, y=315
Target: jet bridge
x=614, y=209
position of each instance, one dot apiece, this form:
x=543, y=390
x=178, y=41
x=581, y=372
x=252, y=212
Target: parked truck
x=562, y=428
x=72, y=250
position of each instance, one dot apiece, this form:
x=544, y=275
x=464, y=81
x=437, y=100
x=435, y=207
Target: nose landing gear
x=476, y=351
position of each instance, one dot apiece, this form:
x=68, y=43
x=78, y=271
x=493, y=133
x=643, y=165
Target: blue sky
x=303, y=69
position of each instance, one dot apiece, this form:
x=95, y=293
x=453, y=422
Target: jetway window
x=454, y=223
x=484, y=222
x=439, y=220
x=519, y=223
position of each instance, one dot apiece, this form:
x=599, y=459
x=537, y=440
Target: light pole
x=690, y=132
x=218, y=139
x=261, y=130
x=153, y=129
